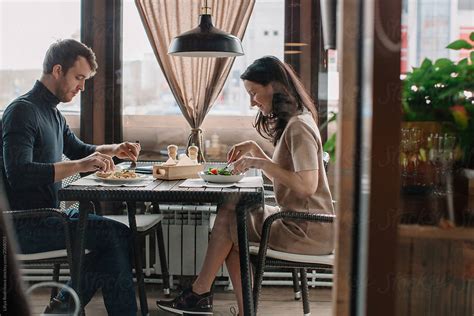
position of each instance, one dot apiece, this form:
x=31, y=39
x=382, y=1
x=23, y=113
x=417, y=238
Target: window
x=466, y=5
x=145, y=88
x=27, y=28
x=428, y=26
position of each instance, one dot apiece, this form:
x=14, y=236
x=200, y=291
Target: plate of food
x=119, y=176
x=220, y=175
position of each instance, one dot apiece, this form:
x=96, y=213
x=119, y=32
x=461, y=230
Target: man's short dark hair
x=65, y=53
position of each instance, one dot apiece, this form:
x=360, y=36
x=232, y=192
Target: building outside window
x=145, y=90
x=27, y=28
x=428, y=26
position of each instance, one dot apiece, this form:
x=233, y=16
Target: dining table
x=245, y=198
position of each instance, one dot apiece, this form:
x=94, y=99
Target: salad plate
x=220, y=175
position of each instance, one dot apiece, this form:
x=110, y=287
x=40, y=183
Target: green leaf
x=463, y=62
x=426, y=64
x=471, y=36
x=443, y=62
x=472, y=54
x=459, y=44
x=330, y=144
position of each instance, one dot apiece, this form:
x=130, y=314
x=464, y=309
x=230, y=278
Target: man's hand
x=96, y=162
x=127, y=150
x=123, y=151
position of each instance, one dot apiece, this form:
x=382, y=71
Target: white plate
x=217, y=178
x=140, y=177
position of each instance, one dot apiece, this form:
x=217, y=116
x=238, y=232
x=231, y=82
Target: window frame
x=101, y=29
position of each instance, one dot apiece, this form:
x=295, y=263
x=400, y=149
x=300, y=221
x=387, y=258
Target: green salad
x=218, y=171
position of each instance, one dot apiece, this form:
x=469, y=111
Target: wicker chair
x=262, y=257
x=56, y=257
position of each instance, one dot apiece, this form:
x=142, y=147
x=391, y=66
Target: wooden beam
x=303, y=26
x=346, y=153
x=381, y=119
x=101, y=108
x=367, y=156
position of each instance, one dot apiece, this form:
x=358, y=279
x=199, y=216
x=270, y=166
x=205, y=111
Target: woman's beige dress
x=299, y=149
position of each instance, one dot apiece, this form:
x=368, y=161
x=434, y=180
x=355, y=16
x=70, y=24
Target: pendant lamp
x=205, y=40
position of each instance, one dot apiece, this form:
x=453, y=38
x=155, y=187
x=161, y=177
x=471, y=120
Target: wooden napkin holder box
x=176, y=172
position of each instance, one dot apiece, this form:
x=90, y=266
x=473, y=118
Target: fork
x=229, y=167
x=133, y=166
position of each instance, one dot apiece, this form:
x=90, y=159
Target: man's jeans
x=107, y=266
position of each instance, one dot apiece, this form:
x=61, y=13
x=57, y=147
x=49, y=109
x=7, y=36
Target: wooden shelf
x=433, y=232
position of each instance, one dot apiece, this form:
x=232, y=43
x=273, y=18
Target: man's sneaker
x=57, y=306
x=188, y=303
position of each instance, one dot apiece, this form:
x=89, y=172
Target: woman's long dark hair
x=289, y=95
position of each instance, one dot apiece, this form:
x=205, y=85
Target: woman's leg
x=220, y=244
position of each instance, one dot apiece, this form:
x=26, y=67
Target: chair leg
x=304, y=286
x=56, y=270
x=257, y=282
x=163, y=262
x=137, y=253
x=296, y=284
x=147, y=255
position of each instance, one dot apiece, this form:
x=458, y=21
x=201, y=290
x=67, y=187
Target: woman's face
x=260, y=96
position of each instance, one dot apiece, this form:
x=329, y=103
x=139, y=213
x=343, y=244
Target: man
x=35, y=135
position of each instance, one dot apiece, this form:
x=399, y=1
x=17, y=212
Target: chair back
x=65, y=182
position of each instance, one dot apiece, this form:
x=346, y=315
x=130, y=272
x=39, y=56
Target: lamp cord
x=205, y=9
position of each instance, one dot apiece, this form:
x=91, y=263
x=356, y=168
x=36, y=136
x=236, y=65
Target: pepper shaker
x=193, y=153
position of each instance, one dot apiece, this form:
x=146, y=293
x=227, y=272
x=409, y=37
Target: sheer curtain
x=195, y=82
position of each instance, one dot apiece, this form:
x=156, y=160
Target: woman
x=286, y=117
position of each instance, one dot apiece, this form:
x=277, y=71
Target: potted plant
x=443, y=91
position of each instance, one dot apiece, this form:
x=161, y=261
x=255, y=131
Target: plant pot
x=428, y=127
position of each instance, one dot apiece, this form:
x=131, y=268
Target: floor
x=274, y=301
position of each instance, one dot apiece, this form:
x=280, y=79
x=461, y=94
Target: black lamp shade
x=205, y=41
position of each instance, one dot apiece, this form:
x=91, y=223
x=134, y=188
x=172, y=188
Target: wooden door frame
x=367, y=156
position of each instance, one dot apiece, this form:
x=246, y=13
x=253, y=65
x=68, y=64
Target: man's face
x=71, y=83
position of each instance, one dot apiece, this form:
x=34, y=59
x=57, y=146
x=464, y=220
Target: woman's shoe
x=188, y=303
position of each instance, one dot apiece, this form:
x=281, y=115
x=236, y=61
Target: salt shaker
x=173, y=152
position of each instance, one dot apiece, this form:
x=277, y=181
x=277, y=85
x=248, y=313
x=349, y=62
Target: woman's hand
x=241, y=149
x=127, y=150
x=244, y=163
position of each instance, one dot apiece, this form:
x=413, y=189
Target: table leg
x=241, y=213
x=137, y=254
x=162, y=253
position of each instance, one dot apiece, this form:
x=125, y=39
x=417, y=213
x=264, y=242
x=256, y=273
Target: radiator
x=186, y=231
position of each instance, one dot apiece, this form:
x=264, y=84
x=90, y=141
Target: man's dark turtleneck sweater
x=35, y=134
